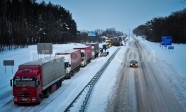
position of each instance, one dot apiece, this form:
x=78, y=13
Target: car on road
x=134, y=63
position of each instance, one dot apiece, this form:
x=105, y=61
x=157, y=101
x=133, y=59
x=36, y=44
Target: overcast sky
x=123, y=15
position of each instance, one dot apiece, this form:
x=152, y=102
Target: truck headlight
x=34, y=99
x=15, y=99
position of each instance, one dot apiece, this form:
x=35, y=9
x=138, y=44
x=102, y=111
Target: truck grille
x=23, y=93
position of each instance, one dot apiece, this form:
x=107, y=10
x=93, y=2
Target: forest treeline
x=173, y=25
x=25, y=22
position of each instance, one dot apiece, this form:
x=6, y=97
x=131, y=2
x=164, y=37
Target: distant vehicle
x=86, y=55
x=133, y=63
x=95, y=49
x=109, y=42
x=37, y=79
x=104, y=47
x=104, y=54
x=103, y=51
x=72, y=61
x=117, y=41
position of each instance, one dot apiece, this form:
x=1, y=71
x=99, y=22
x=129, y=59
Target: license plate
x=24, y=99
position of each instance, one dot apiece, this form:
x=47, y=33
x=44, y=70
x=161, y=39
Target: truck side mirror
x=67, y=65
x=37, y=82
x=11, y=82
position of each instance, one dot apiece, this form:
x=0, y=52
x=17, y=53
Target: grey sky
x=120, y=14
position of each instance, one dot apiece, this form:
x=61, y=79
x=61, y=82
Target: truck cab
x=72, y=59
x=27, y=85
x=86, y=54
x=83, y=58
x=68, y=67
x=68, y=63
x=95, y=49
x=36, y=79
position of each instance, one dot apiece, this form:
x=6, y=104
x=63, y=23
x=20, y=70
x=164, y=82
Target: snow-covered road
x=61, y=98
x=143, y=89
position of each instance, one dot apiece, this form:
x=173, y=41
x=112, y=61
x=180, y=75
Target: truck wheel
x=59, y=84
x=96, y=55
x=68, y=76
x=72, y=73
x=46, y=93
x=40, y=96
x=78, y=69
x=39, y=101
x=15, y=103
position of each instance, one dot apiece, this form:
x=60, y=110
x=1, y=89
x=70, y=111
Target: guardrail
x=89, y=87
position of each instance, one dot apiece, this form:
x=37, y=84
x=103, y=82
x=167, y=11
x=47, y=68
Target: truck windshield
x=82, y=54
x=24, y=82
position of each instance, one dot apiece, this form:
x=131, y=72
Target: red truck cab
x=27, y=85
x=86, y=54
x=37, y=79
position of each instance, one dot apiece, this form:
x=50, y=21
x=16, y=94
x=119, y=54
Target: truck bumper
x=26, y=100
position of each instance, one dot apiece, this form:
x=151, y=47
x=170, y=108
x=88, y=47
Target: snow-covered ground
x=176, y=57
x=176, y=60
x=57, y=100
x=103, y=89
x=173, y=66
x=21, y=56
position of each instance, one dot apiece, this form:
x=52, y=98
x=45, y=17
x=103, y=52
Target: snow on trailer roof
x=40, y=61
x=67, y=51
x=91, y=43
x=81, y=47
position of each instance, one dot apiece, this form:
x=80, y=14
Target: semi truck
x=86, y=54
x=109, y=42
x=72, y=61
x=117, y=41
x=95, y=49
x=35, y=80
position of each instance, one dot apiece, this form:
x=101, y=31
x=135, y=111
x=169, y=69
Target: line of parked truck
x=35, y=80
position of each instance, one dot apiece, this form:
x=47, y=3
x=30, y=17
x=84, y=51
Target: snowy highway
x=119, y=89
x=61, y=98
x=142, y=89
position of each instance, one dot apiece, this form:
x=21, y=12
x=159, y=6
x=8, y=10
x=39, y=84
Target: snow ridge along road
x=86, y=92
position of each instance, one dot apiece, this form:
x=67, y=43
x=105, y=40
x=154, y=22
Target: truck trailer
x=72, y=61
x=86, y=55
x=37, y=79
x=95, y=49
